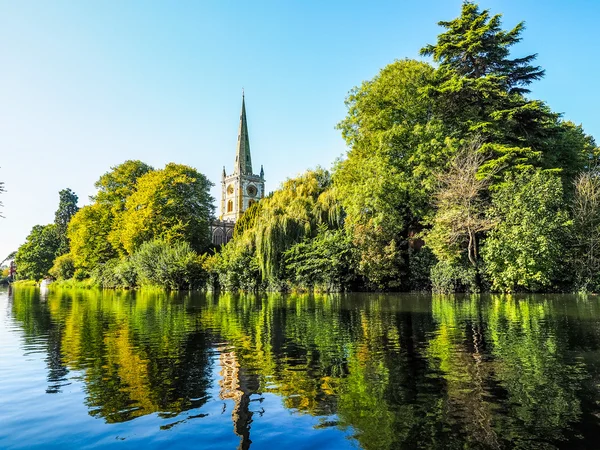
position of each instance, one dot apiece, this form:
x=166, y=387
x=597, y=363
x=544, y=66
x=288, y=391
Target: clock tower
x=242, y=188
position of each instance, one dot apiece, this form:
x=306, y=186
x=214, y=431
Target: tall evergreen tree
x=67, y=207
x=476, y=46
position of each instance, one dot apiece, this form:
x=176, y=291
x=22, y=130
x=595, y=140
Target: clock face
x=230, y=189
x=251, y=190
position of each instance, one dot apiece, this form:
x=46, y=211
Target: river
x=106, y=369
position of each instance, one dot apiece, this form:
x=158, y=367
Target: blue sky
x=86, y=85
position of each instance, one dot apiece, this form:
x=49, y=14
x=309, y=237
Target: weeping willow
x=288, y=216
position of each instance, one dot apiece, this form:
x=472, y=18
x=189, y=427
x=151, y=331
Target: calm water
x=81, y=369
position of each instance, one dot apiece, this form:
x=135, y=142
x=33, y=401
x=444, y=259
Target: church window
x=230, y=206
x=251, y=190
x=250, y=203
x=230, y=189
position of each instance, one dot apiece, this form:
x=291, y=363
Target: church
x=240, y=189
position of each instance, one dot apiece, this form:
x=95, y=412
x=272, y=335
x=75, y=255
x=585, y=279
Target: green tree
x=526, y=249
x=479, y=89
x=114, y=188
x=94, y=231
x=35, y=257
x=67, y=208
x=63, y=267
x=475, y=46
x=294, y=213
x=173, y=204
x=88, y=235
x=586, y=231
x=324, y=262
x=386, y=181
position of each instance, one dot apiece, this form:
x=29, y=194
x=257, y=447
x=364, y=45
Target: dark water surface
x=86, y=369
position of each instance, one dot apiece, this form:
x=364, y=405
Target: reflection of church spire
x=234, y=387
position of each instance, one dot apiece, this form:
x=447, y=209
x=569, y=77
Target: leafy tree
x=524, y=251
x=115, y=186
x=35, y=257
x=67, y=208
x=324, y=262
x=479, y=89
x=63, y=267
x=172, y=266
x=173, y=204
x=94, y=232
x=88, y=235
x=586, y=231
x=388, y=177
x=294, y=213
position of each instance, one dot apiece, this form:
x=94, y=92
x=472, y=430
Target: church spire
x=243, y=160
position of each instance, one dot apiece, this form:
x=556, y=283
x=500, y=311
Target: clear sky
x=85, y=85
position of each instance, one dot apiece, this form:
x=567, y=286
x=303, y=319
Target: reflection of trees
x=541, y=380
x=397, y=372
x=138, y=354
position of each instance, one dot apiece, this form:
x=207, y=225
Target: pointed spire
x=243, y=160
x=262, y=172
x=224, y=173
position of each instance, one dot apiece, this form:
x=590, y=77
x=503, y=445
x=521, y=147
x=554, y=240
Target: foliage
x=292, y=214
x=475, y=46
x=67, y=208
x=460, y=216
x=94, y=232
x=88, y=234
x=35, y=257
x=586, y=231
x=421, y=262
x=388, y=177
x=524, y=251
x=453, y=276
x=63, y=267
x=172, y=266
x=324, y=263
x=173, y=204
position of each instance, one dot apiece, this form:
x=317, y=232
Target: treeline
x=145, y=227
x=455, y=180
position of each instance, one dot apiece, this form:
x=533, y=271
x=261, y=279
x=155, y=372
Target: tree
x=35, y=257
x=461, y=207
x=94, y=232
x=324, y=262
x=526, y=249
x=115, y=186
x=293, y=214
x=479, y=90
x=67, y=208
x=63, y=267
x=586, y=231
x=475, y=46
x=387, y=179
x=173, y=204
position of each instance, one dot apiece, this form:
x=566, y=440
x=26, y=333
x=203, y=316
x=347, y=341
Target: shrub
x=172, y=266
x=63, y=267
x=447, y=277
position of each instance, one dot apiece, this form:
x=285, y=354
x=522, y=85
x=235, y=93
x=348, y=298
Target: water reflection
x=393, y=371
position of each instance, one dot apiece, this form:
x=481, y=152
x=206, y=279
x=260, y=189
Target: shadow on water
x=393, y=371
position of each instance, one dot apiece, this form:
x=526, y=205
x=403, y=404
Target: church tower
x=242, y=188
